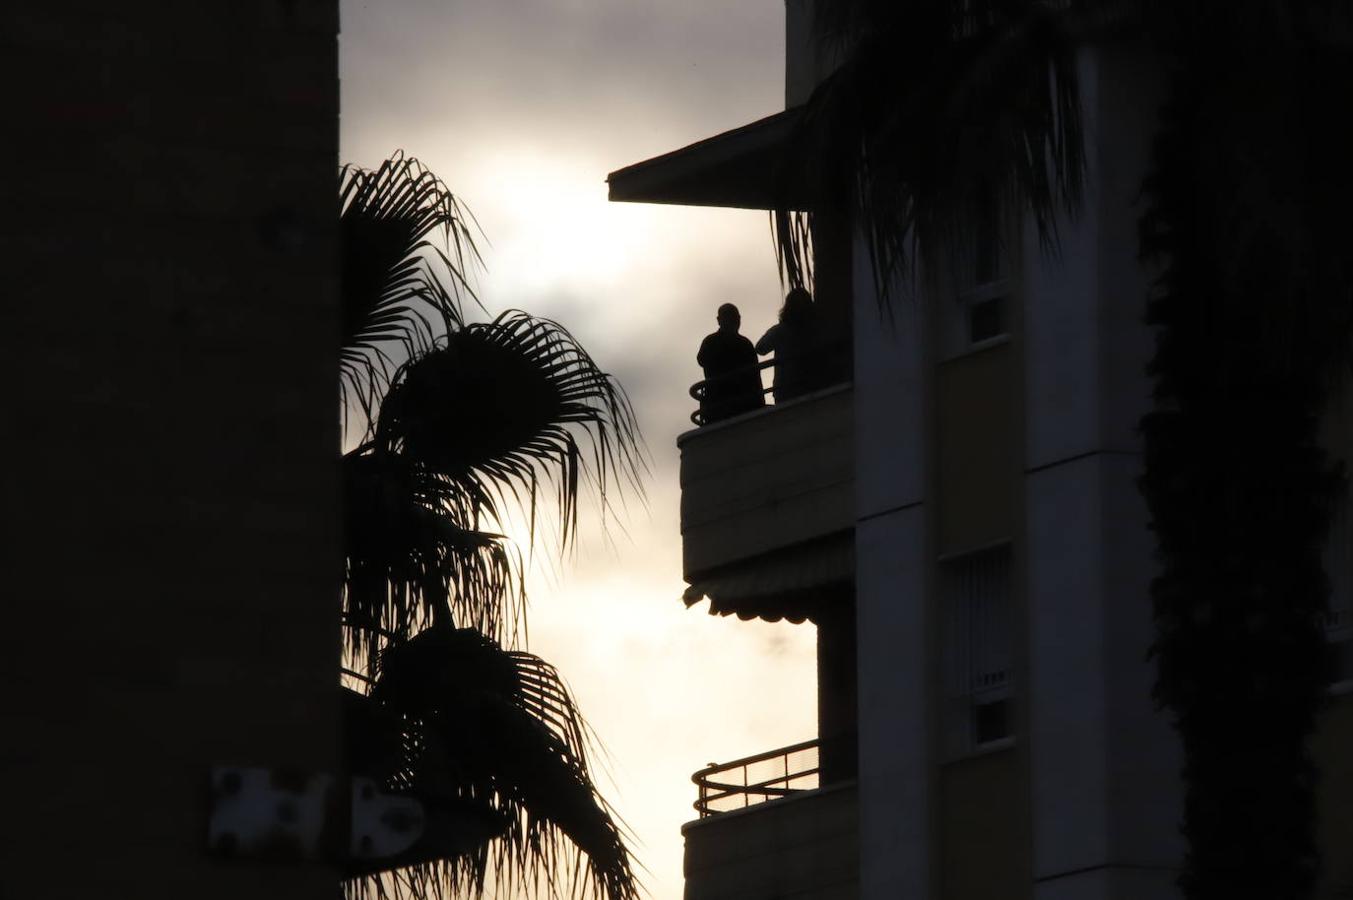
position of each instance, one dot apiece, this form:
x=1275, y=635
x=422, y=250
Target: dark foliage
x=392, y=296
x=936, y=107
x=463, y=424
x=490, y=742
x=1247, y=219
x=495, y=406
x=414, y=556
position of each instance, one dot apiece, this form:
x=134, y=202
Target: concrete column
x=1104, y=764
x=890, y=541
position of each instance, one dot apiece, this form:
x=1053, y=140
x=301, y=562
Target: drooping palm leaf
x=492, y=735
x=937, y=108
x=394, y=300
x=378, y=742
x=414, y=556
x=499, y=407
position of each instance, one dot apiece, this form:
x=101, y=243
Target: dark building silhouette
x=171, y=503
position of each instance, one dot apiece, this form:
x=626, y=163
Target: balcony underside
x=751, y=167
x=806, y=581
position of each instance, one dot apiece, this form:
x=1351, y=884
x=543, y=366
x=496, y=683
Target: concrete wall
x=984, y=828
x=806, y=61
x=1104, y=763
x=976, y=449
x=798, y=848
x=837, y=718
x=1335, y=811
x=767, y=480
x=893, y=557
x=170, y=488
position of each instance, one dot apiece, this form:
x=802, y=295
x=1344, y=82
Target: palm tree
x=1247, y=223
x=461, y=424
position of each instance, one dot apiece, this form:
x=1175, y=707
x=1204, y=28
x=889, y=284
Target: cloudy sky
x=522, y=107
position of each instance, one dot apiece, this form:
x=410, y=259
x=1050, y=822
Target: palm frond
x=377, y=743
x=414, y=556
x=937, y=107
x=490, y=735
x=792, y=233
x=502, y=408
x=394, y=300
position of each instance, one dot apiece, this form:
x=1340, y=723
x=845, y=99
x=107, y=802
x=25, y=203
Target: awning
x=795, y=584
x=751, y=167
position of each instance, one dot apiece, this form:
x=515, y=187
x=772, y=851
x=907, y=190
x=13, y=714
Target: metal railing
x=833, y=368
x=704, y=415
x=756, y=779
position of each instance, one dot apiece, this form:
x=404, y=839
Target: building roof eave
x=751, y=167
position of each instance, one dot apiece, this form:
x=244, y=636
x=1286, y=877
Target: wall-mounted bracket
x=282, y=815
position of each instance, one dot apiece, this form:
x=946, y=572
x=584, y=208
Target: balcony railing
x=705, y=414
x=755, y=779
x=831, y=366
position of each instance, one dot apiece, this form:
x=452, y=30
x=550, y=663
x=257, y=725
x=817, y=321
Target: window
x=975, y=593
x=981, y=311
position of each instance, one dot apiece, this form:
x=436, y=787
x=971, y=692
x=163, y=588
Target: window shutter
x=975, y=591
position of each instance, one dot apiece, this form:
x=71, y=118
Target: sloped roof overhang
x=753, y=167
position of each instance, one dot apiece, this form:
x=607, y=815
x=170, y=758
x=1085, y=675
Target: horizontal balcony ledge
x=803, y=845
x=766, y=482
x=771, y=410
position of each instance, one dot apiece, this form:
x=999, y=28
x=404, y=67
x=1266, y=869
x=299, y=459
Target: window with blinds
x=975, y=592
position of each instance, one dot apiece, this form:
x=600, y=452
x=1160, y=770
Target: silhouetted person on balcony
x=797, y=344
x=732, y=379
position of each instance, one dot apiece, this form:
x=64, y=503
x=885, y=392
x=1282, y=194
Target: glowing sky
x=522, y=107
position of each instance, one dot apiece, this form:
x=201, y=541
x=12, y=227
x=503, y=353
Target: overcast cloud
x=523, y=107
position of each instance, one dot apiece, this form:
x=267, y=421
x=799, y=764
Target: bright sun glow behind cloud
x=552, y=226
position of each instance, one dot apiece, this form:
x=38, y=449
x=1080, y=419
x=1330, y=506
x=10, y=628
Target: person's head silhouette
x=798, y=308
x=729, y=318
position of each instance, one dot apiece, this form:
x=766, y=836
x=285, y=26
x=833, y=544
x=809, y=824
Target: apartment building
x=171, y=492
x=959, y=518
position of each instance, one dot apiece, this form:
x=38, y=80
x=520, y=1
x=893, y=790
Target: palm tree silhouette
x=463, y=423
x=937, y=102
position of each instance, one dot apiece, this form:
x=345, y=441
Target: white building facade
x=960, y=518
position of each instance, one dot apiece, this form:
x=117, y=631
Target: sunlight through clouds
x=551, y=225
x=522, y=108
